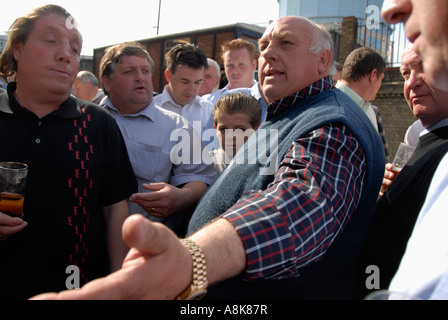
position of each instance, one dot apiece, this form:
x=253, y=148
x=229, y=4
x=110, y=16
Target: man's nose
x=396, y=11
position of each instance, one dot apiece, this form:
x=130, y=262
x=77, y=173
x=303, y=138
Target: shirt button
x=39, y=123
x=38, y=141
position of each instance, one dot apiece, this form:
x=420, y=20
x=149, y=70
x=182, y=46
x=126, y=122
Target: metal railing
x=389, y=41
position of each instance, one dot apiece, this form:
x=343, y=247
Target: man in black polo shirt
x=79, y=174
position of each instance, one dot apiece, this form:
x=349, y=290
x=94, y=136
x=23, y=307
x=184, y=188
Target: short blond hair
x=238, y=44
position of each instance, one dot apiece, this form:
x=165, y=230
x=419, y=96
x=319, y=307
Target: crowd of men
x=295, y=215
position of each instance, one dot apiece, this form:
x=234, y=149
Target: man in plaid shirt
x=294, y=233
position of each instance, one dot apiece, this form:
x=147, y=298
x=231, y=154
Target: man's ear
x=168, y=75
x=373, y=75
x=325, y=61
x=106, y=83
x=17, y=50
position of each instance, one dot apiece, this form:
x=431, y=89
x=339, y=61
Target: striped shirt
x=316, y=189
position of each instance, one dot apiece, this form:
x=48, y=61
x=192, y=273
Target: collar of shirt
x=98, y=94
x=227, y=88
x=165, y=98
x=148, y=112
x=367, y=107
x=280, y=106
x=69, y=108
x=440, y=124
x=253, y=91
x=352, y=94
x=214, y=96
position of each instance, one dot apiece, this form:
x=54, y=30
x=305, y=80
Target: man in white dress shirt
x=185, y=64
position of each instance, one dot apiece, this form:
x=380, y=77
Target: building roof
x=242, y=28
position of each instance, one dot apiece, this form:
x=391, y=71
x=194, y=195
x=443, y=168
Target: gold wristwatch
x=198, y=288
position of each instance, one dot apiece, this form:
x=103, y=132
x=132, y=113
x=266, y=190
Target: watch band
x=198, y=286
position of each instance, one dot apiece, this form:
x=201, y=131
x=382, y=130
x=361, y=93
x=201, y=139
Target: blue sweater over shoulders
x=333, y=276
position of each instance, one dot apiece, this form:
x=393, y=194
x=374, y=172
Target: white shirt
x=423, y=271
x=413, y=134
x=214, y=96
x=196, y=110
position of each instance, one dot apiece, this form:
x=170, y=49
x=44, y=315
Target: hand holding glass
x=12, y=188
x=404, y=153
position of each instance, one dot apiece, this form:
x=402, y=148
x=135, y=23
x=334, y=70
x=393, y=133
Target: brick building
x=209, y=40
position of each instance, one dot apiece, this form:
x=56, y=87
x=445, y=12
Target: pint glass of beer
x=12, y=187
x=404, y=153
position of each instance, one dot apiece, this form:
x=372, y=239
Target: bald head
x=295, y=53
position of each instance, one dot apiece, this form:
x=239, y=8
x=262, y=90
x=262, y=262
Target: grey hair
x=322, y=40
x=87, y=76
x=213, y=63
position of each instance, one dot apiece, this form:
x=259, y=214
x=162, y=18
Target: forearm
x=223, y=249
x=115, y=215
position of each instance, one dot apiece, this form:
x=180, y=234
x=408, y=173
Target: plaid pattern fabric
x=282, y=105
x=316, y=189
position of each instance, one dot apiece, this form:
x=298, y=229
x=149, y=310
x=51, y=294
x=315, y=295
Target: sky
x=103, y=23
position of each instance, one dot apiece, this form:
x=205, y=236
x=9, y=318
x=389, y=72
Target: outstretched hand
x=158, y=266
